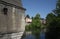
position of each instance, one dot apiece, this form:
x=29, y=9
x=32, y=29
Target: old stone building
x=12, y=23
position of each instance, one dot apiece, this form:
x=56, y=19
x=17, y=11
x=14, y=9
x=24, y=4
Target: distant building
x=29, y=20
x=43, y=21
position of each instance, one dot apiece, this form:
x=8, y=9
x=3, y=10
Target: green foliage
x=53, y=29
x=35, y=26
x=50, y=17
x=57, y=10
x=28, y=28
x=53, y=23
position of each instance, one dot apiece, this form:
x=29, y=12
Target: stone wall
x=11, y=36
x=12, y=25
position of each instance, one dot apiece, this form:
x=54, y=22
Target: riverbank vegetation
x=35, y=26
x=53, y=23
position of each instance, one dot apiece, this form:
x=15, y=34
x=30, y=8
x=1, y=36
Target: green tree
x=35, y=26
x=57, y=10
x=53, y=23
x=50, y=21
x=50, y=17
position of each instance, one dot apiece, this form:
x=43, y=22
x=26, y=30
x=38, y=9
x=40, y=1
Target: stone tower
x=12, y=23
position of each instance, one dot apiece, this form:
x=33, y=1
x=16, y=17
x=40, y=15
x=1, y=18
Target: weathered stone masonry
x=12, y=23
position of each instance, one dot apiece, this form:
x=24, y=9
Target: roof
x=14, y=3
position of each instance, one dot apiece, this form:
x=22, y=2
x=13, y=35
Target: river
x=42, y=36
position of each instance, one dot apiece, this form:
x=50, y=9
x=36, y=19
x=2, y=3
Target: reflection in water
x=29, y=37
x=42, y=36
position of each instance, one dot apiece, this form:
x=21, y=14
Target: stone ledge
x=12, y=36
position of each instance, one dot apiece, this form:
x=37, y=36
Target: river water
x=42, y=36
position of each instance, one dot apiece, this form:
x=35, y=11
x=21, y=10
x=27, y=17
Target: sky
x=43, y=7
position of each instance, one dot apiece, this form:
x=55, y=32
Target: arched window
x=5, y=10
